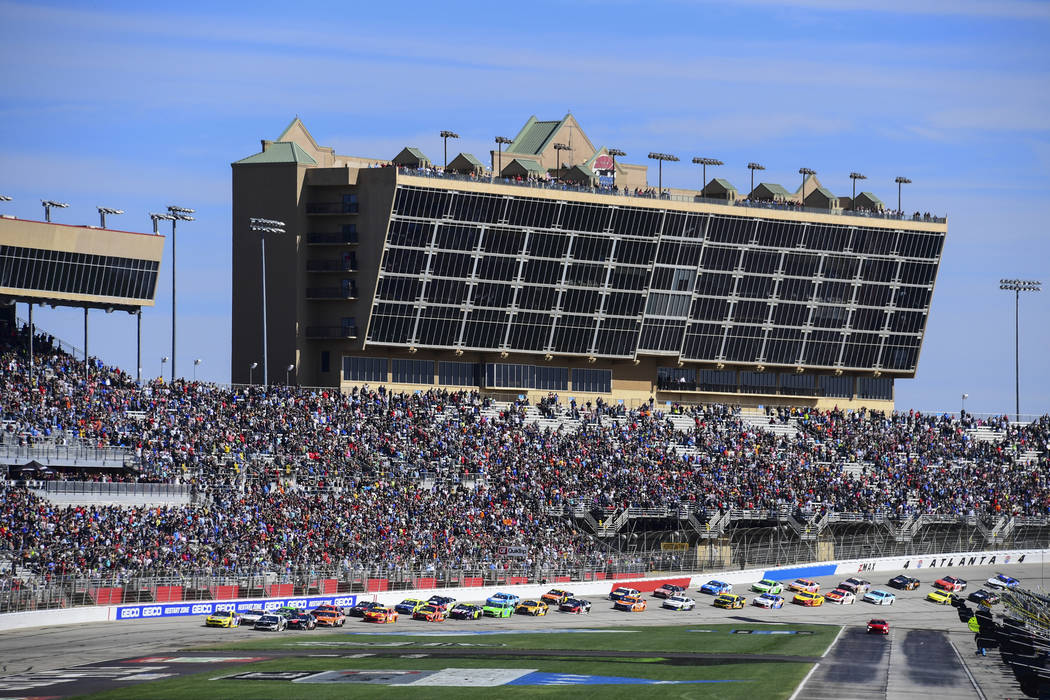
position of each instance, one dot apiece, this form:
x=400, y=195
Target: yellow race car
x=223, y=618
x=381, y=615
x=730, y=601
x=810, y=600
x=531, y=607
x=940, y=597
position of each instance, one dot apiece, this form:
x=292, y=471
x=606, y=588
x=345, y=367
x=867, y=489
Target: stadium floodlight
x=251, y=371
x=163, y=361
x=4, y=198
x=287, y=372
x=753, y=167
x=855, y=177
x=1018, y=286
x=102, y=211
x=961, y=412
x=901, y=180
x=175, y=214
x=263, y=227
x=48, y=203
x=195, y=363
x=802, y=192
x=558, y=148
x=660, y=158
x=614, y=152
x=500, y=141
x=446, y=135
x=703, y=163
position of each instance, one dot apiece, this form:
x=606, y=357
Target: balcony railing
x=331, y=266
x=331, y=208
x=332, y=238
x=334, y=332
x=338, y=293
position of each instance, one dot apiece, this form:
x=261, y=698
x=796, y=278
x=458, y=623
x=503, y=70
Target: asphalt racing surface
x=916, y=660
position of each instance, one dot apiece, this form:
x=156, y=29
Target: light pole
x=177, y=214
x=614, y=152
x=446, y=135
x=287, y=372
x=900, y=181
x=4, y=198
x=753, y=167
x=1018, y=286
x=102, y=211
x=163, y=361
x=500, y=140
x=802, y=192
x=263, y=227
x=195, y=363
x=703, y=163
x=251, y=372
x=855, y=177
x=558, y=148
x=48, y=203
x=963, y=409
x=660, y=158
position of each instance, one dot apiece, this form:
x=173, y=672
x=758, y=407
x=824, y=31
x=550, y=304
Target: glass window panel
x=459, y=374
x=503, y=241
x=730, y=229
x=629, y=278
x=618, y=336
x=763, y=261
x=530, y=331
x=868, y=319
x=439, y=325
x=783, y=346
x=841, y=387
x=591, y=248
x=495, y=295
x=412, y=371
x=716, y=258
x=778, y=234
x=623, y=304
x=756, y=287
x=907, y=321
x=912, y=298
x=801, y=264
x=840, y=267
x=878, y=270
x=632, y=221
x=494, y=267
x=709, y=309
x=790, y=314
x=457, y=237
x=714, y=284
x=750, y=312
x=543, y=271
x=485, y=328
x=631, y=252
x=592, y=380
x=573, y=333
x=917, y=273
x=585, y=275
x=444, y=291
x=743, y=344
x=703, y=342
x=580, y=301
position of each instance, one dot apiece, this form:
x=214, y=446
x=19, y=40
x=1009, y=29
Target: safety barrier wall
x=594, y=588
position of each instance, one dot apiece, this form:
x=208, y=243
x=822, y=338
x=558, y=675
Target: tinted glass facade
x=77, y=273
x=488, y=272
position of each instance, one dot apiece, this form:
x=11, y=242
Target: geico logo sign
x=296, y=603
x=152, y=611
x=274, y=604
x=343, y=602
x=224, y=606
x=201, y=609
x=127, y=613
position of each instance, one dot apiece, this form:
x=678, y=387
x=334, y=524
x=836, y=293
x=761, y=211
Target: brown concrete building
x=411, y=277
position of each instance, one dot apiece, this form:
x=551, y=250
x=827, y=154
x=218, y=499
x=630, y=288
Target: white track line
x=833, y=641
x=830, y=647
x=973, y=681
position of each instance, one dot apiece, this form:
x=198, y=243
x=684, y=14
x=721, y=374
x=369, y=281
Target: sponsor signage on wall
x=138, y=612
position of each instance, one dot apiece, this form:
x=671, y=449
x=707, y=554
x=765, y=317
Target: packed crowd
x=289, y=477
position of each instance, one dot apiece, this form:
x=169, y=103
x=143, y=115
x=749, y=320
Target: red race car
x=878, y=627
x=429, y=613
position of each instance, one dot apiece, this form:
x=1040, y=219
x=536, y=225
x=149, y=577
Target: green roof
x=724, y=183
x=280, y=152
x=534, y=136
x=410, y=154
x=824, y=191
x=470, y=158
x=774, y=188
x=870, y=197
x=530, y=165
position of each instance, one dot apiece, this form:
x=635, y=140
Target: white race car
x=768, y=600
x=679, y=602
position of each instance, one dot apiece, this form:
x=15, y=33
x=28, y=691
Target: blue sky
x=120, y=104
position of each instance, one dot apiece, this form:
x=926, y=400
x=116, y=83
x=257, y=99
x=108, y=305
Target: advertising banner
x=187, y=608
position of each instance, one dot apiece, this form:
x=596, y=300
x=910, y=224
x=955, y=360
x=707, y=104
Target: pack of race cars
x=772, y=595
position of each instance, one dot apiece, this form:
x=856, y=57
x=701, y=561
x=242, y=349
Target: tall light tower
x=804, y=172
x=703, y=163
x=102, y=211
x=855, y=177
x=901, y=180
x=753, y=167
x=48, y=204
x=1018, y=286
x=500, y=141
x=558, y=148
x=445, y=136
x=177, y=214
x=660, y=158
x=614, y=152
x=263, y=227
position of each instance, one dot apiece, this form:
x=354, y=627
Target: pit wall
x=939, y=564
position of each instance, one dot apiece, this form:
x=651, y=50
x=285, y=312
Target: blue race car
x=1001, y=581
x=716, y=587
x=504, y=598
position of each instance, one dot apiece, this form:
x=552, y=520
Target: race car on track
x=983, y=597
x=630, y=603
x=328, y=616
x=716, y=587
x=768, y=585
x=250, y=617
x=442, y=601
x=730, y=601
x=804, y=584
x=271, y=623
x=667, y=590
x=504, y=598
x=622, y=592
x=363, y=607
x=555, y=596
x=950, y=584
x=429, y=613
x=807, y=599
x=840, y=596
x=465, y=611
x=1001, y=581
x=409, y=605
x=576, y=605
x=768, y=600
x=877, y=626
x=536, y=608
x=856, y=586
x=940, y=597
x=904, y=583
x=498, y=608
x=223, y=618
x=381, y=615
x=879, y=597
x=679, y=602
x=302, y=620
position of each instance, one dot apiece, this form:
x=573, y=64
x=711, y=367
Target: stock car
x=679, y=602
x=381, y=615
x=621, y=592
x=768, y=585
x=504, y=598
x=904, y=583
x=555, y=596
x=801, y=585
x=328, y=616
x=668, y=590
x=879, y=597
x=1002, y=581
x=841, y=597
x=250, y=617
x=442, y=601
x=363, y=607
x=630, y=603
x=577, y=606
x=223, y=618
x=940, y=597
x=856, y=586
x=272, y=623
x=536, y=608
x=429, y=613
x=950, y=584
x=465, y=611
x=877, y=626
x=301, y=620
x=716, y=587
x=497, y=608
x=730, y=601
x=983, y=597
x=409, y=605
x=768, y=601
x=807, y=599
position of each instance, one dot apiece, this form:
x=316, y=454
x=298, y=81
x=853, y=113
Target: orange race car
x=630, y=604
x=381, y=615
x=329, y=616
x=429, y=613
